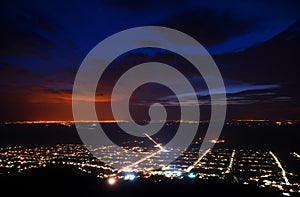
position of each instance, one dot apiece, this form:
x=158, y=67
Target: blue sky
x=44, y=43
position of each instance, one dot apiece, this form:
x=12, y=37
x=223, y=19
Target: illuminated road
x=156, y=144
x=198, y=160
x=129, y=167
x=280, y=166
x=296, y=155
x=231, y=162
x=161, y=149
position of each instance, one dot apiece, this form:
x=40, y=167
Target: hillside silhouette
x=69, y=181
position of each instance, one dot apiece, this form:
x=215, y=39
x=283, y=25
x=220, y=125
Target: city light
x=283, y=172
x=231, y=162
x=173, y=173
x=197, y=161
x=296, y=155
x=129, y=177
x=111, y=180
x=192, y=175
x=262, y=168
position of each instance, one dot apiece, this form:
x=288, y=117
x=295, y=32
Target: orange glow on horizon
x=61, y=121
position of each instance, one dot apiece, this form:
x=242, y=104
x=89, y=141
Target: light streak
x=280, y=166
x=198, y=160
x=161, y=149
x=156, y=144
x=286, y=194
x=231, y=162
x=127, y=168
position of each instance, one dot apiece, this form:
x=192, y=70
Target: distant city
x=262, y=168
x=235, y=121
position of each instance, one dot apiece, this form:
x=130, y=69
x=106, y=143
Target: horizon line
x=125, y=121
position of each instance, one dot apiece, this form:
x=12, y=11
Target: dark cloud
x=250, y=97
x=18, y=40
x=275, y=61
x=152, y=4
x=35, y=40
x=12, y=76
x=209, y=27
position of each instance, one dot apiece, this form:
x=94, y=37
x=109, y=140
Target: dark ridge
x=280, y=138
x=69, y=181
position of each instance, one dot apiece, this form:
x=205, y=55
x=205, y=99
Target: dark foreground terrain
x=69, y=181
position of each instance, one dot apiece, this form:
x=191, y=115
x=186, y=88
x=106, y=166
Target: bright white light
x=168, y=174
x=286, y=194
x=112, y=181
x=192, y=175
x=174, y=173
x=130, y=177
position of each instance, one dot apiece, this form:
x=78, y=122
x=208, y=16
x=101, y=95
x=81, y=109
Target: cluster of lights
x=192, y=175
x=129, y=177
x=173, y=173
x=216, y=163
x=296, y=155
x=169, y=174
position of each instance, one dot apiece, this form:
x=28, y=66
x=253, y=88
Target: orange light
x=112, y=181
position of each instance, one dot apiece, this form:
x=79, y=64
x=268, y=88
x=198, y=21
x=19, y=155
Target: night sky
x=255, y=44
